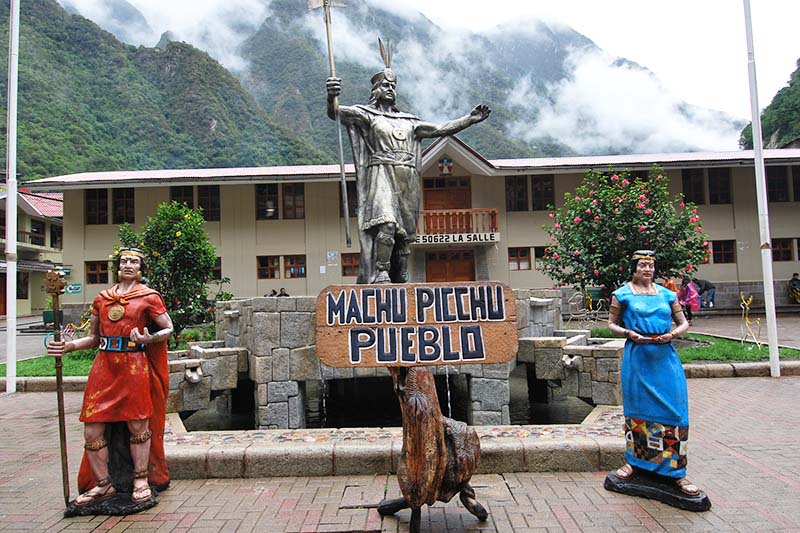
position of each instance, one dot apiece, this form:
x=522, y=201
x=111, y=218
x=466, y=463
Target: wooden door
x=449, y=265
x=443, y=195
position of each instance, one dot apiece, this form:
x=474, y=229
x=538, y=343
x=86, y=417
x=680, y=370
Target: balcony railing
x=452, y=221
x=25, y=237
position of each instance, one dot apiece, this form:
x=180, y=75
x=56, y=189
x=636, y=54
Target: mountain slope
x=780, y=120
x=89, y=102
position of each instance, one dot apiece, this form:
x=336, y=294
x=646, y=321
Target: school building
x=279, y=227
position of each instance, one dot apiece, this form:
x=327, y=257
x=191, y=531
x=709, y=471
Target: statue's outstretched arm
x=427, y=129
x=347, y=114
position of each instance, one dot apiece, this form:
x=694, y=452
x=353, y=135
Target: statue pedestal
x=656, y=487
x=119, y=505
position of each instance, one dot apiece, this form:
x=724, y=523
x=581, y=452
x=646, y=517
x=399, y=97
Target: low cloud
x=605, y=107
x=219, y=28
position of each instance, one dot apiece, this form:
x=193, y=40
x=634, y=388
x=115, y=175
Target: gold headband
x=642, y=256
x=131, y=251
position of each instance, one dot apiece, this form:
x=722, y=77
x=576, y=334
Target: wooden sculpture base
x=655, y=487
x=439, y=454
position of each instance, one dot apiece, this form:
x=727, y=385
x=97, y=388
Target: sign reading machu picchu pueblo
x=418, y=324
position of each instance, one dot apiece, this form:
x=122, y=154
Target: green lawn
x=75, y=364
x=718, y=349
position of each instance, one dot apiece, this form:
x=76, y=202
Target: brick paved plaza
x=743, y=454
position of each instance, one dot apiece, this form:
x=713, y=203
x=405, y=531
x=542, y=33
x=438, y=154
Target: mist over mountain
x=552, y=90
x=88, y=102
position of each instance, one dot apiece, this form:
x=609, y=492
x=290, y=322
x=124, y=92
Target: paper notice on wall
x=322, y=269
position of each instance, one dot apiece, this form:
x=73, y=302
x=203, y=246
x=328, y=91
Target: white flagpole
x=11, y=199
x=763, y=208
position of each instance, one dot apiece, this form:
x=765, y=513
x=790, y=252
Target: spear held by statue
x=326, y=6
x=55, y=284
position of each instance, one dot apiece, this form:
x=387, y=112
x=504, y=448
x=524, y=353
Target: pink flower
x=698, y=229
x=597, y=218
x=553, y=238
x=596, y=272
x=614, y=177
x=642, y=227
x=641, y=187
x=616, y=209
x=619, y=237
x=648, y=211
x=576, y=219
x=642, y=197
x=692, y=220
x=619, y=268
x=688, y=267
x=640, y=205
x=557, y=225
x=705, y=243
x=577, y=252
x=588, y=211
x=682, y=205
x=552, y=215
x=694, y=211
x=577, y=198
x=626, y=182
x=591, y=193
x=594, y=202
x=556, y=256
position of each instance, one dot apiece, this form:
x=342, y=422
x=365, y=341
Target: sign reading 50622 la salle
x=416, y=324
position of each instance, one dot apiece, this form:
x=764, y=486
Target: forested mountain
x=780, y=120
x=89, y=102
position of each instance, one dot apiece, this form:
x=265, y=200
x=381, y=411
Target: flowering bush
x=179, y=260
x=609, y=217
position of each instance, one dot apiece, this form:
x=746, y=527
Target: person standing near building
x=706, y=290
x=688, y=298
x=387, y=148
x=126, y=392
x=794, y=288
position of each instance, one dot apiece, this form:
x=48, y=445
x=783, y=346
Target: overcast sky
x=696, y=47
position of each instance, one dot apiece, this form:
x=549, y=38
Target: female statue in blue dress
x=654, y=395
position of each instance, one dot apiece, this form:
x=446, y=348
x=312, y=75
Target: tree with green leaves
x=610, y=216
x=180, y=259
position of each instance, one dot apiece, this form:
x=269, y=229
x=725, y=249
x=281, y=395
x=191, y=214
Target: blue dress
x=654, y=395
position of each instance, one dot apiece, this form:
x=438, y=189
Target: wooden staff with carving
x=55, y=284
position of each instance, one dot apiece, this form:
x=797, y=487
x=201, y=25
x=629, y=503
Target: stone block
x=286, y=304
x=521, y=294
x=187, y=462
x=549, y=342
x=584, y=385
x=304, y=364
x=196, y=395
x=276, y=459
x=280, y=391
x=569, y=385
x=231, y=341
x=604, y=366
x=175, y=401
x=312, y=330
x=225, y=460
x=175, y=379
x=526, y=352
x=364, y=372
x=614, y=377
x=274, y=416
x=295, y=329
x=695, y=371
x=611, y=451
x=548, y=363
x=343, y=373
x=578, y=340
x=242, y=360
x=297, y=413
x=610, y=350
x=280, y=364
x=486, y=418
x=267, y=333
x=306, y=303
x=790, y=368
x=523, y=314
x=604, y=393
x=265, y=304
x=223, y=371
x=750, y=370
x=501, y=454
x=361, y=457
x=499, y=370
x=720, y=370
x=576, y=454
x=261, y=394
x=260, y=370
x=473, y=370
x=491, y=393
x=233, y=325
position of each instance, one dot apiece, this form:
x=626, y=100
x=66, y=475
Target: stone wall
x=278, y=336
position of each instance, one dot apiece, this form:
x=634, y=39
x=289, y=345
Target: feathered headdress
x=387, y=73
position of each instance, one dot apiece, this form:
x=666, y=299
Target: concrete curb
x=596, y=444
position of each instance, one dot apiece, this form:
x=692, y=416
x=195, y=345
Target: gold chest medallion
x=116, y=312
